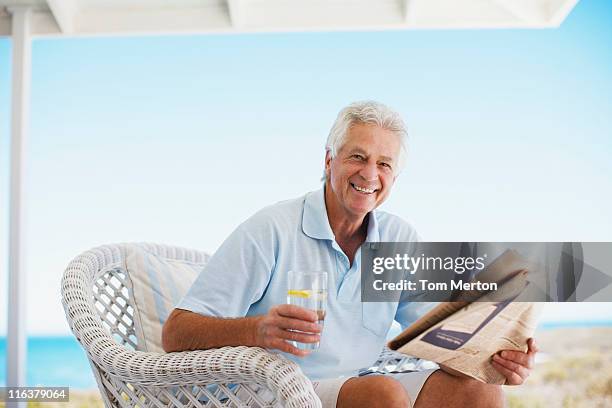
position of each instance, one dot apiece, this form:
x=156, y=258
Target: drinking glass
x=308, y=290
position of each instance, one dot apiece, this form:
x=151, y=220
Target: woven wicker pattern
x=112, y=301
x=96, y=295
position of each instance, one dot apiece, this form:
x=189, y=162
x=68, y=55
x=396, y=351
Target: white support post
x=20, y=104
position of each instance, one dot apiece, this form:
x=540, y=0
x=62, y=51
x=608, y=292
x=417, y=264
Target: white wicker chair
x=97, y=300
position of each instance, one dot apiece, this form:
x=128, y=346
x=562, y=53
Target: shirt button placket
x=343, y=269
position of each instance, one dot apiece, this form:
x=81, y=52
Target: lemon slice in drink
x=300, y=293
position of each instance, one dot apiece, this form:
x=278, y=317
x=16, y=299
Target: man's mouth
x=364, y=190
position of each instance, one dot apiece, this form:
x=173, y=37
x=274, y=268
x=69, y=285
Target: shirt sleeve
x=408, y=312
x=237, y=274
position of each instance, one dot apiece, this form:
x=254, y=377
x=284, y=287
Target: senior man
x=239, y=297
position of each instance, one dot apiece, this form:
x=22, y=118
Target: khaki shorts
x=328, y=390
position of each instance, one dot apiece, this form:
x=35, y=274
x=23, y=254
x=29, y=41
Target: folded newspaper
x=465, y=334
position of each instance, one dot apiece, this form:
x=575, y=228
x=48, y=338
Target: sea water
x=57, y=361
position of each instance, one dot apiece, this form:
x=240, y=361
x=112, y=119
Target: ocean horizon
x=53, y=361
x=48, y=356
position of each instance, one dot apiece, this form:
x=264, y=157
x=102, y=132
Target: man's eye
x=387, y=165
x=358, y=157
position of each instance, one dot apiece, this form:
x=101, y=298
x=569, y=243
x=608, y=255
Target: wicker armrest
x=225, y=365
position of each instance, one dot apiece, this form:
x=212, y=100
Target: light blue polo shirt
x=248, y=275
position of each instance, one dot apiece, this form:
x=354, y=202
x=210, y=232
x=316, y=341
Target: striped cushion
x=158, y=285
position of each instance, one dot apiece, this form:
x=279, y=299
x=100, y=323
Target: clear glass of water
x=308, y=290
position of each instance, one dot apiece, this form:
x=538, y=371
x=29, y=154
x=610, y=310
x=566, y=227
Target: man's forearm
x=185, y=330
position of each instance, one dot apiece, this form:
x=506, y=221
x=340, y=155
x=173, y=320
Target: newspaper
x=463, y=335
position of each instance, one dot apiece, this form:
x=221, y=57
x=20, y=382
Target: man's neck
x=349, y=231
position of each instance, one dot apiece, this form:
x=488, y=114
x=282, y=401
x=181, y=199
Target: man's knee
x=373, y=392
x=459, y=392
x=481, y=395
x=391, y=392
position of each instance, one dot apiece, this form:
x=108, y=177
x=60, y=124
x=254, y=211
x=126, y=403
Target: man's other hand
x=285, y=323
x=516, y=365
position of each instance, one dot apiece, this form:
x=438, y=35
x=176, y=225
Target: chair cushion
x=158, y=284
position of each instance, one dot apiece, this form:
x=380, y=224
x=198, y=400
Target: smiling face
x=361, y=175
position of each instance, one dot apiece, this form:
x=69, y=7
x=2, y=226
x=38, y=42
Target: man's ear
x=328, y=159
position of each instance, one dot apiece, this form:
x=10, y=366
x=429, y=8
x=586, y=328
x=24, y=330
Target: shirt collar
x=315, y=223
x=373, y=232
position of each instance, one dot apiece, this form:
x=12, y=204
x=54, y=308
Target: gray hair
x=370, y=113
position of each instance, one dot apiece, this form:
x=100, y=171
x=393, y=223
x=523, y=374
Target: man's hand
x=275, y=328
x=516, y=365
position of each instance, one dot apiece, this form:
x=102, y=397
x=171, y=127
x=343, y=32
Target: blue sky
x=178, y=139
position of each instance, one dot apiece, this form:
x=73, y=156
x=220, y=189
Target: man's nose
x=369, y=171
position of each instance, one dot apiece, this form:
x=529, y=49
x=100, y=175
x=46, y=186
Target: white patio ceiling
x=24, y=19
x=129, y=17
